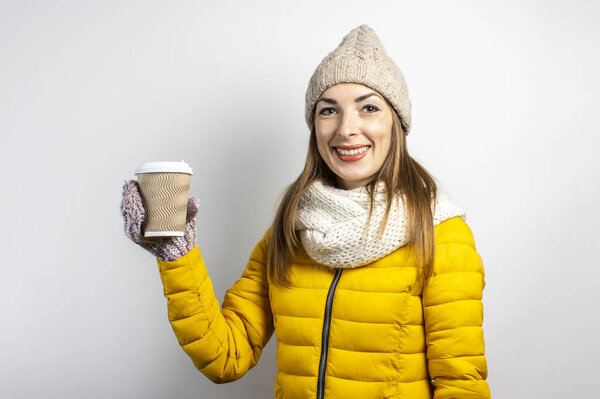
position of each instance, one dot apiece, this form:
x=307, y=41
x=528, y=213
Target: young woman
x=368, y=276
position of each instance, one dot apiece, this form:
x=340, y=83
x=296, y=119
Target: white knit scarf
x=333, y=222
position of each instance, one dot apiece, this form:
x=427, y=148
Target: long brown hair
x=401, y=174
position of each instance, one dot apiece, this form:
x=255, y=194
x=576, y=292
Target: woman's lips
x=351, y=157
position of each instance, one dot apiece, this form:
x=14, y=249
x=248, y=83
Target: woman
x=369, y=295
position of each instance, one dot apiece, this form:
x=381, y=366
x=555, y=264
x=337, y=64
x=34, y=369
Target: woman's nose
x=348, y=124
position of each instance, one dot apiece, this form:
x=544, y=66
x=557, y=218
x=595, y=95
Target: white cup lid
x=156, y=167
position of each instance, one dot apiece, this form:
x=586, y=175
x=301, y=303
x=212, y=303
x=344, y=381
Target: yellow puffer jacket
x=341, y=333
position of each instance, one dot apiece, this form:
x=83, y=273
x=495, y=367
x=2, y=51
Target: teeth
x=352, y=152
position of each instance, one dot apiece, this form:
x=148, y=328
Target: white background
x=505, y=104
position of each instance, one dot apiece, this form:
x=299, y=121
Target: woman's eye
x=324, y=111
x=371, y=108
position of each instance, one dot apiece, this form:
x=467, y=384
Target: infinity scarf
x=333, y=224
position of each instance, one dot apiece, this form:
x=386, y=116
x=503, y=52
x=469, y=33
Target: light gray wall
x=505, y=98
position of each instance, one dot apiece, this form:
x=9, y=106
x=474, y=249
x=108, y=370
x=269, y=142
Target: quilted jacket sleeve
x=453, y=313
x=223, y=343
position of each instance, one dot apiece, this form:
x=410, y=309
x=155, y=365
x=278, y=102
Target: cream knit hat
x=361, y=58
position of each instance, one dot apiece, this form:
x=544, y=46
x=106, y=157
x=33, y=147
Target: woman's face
x=353, y=126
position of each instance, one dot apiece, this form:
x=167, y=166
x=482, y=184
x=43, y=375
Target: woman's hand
x=167, y=249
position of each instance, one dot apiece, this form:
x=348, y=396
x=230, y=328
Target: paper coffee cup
x=165, y=188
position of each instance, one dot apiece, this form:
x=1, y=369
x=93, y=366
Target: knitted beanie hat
x=361, y=58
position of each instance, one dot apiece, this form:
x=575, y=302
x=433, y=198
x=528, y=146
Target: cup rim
x=164, y=166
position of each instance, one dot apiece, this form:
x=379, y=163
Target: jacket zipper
x=325, y=335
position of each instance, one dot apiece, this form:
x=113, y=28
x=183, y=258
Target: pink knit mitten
x=167, y=249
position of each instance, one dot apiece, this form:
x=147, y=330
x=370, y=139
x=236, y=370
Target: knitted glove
x=167, y=249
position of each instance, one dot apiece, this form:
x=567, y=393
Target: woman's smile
x=351, y=153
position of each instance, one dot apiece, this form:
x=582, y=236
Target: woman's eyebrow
x=357, y=100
